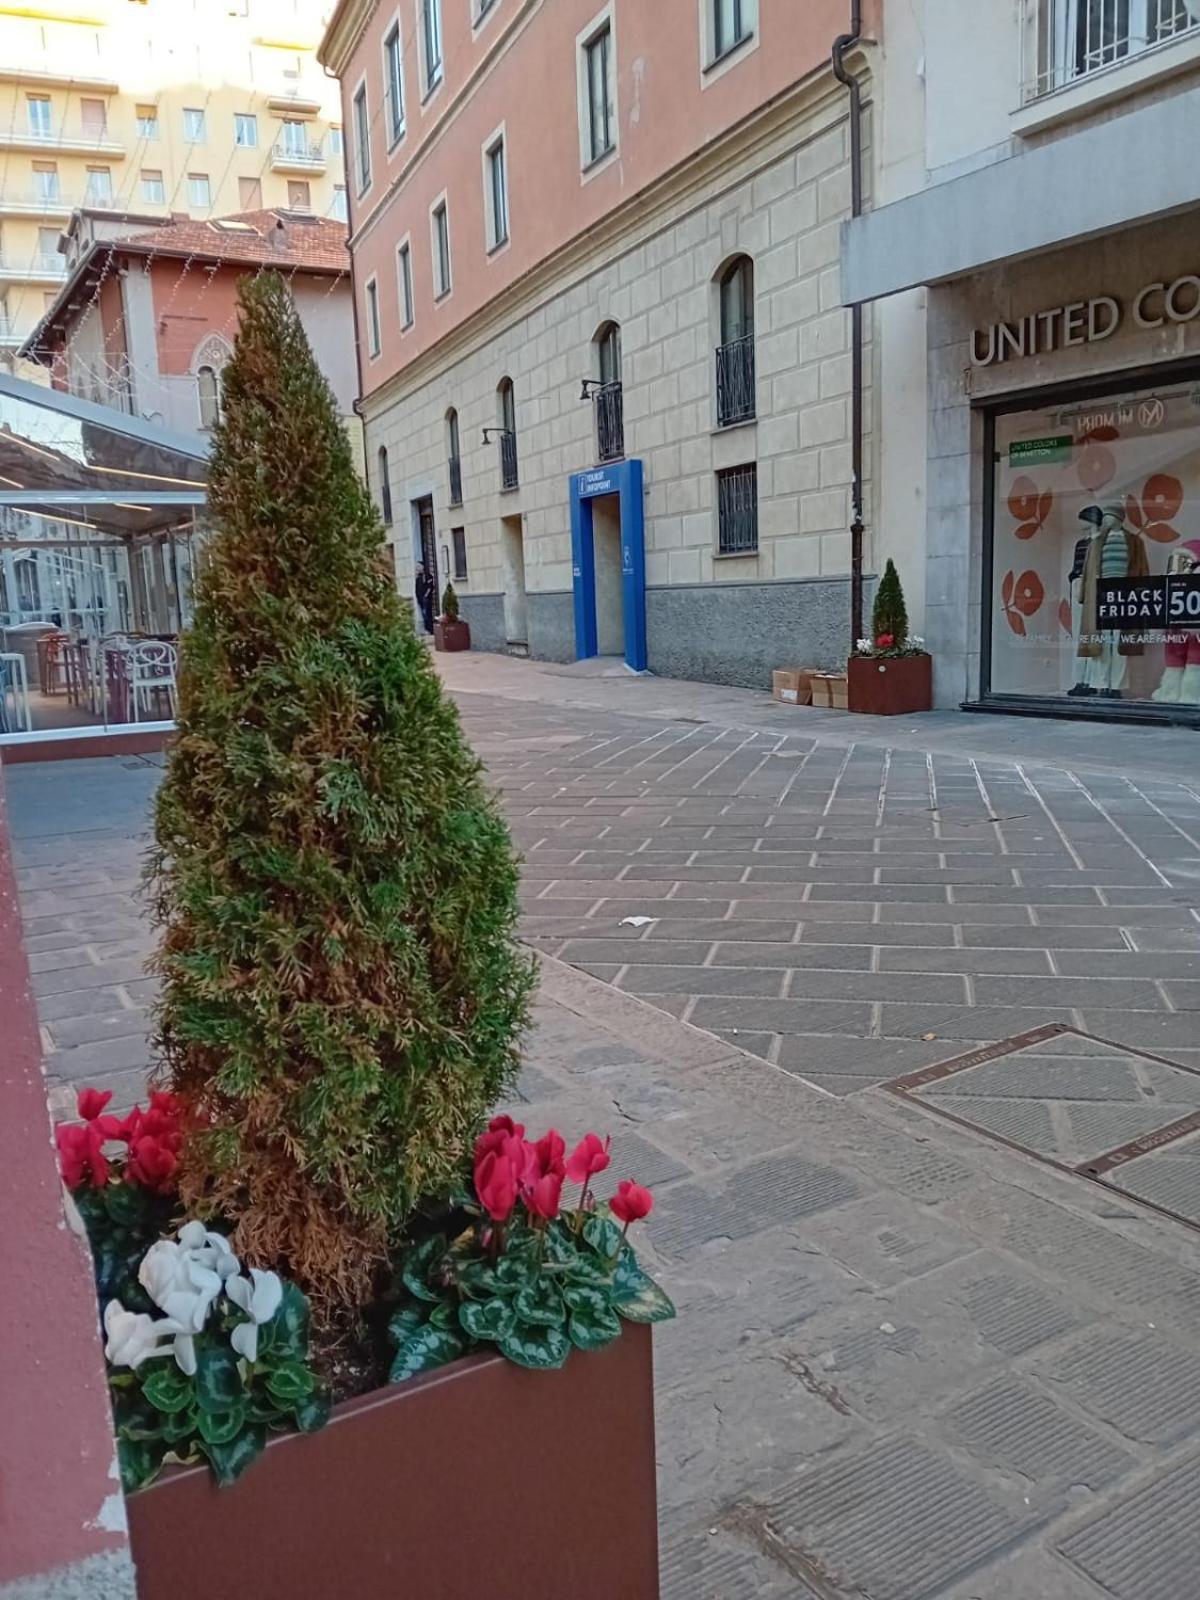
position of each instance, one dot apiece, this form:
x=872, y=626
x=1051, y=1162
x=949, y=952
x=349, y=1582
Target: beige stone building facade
x=697, y=303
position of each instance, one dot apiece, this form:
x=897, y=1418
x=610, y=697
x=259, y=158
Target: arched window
x=508, y=433
x=454, y=457
x=385, y=488
x=737, y=300
x=735, y=352
x=208, y=388
x=608, y=349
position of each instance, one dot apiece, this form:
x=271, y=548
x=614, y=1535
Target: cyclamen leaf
x=587, y=1298
x=445, y=1314
x=593, y=1328
x=230, y=1460
x=405, y=1322
x=487, y=1319
x=218, y=1381
x=168, y=1389
x=540, y=1302
x=417, y=1264
x=222, y=1427
x=290, y=1382
x=603, y=1235
x=541, y=1348
x=649, y=1304
x=428, y=1348
x=313, y=1412
x=141, y=1461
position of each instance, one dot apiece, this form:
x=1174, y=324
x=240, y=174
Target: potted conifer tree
x=450, y=632
x=343, y=1000
x=891, y=673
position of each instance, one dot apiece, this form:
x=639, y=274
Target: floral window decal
x=1030, y=506
x=1021, y=597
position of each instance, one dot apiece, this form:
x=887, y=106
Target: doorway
x=608, y=563
x=610, y=604
x=516, y=601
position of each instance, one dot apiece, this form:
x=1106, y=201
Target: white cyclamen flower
x=184, y=1277
x=864, y=644
x=133, y=1336
x=259, y=1296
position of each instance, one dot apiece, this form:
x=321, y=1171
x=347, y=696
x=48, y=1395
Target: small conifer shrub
x=450, y=604
x=342, y=995
x=889, y=616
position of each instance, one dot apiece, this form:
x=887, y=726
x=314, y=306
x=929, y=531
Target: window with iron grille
x=454, y=458
x=385, y=487
x=735, y=354
x=508, y=435
x=737, y=511
x=458, y=541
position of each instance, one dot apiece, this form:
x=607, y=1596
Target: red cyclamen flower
x=499, y=1131
x=496, y=1185
x=542, y=1197
x=550, y=1150
x=152, y=1164
x=91, y=1103
x=885, y=641
x=589, y=1157
x=631, y=1202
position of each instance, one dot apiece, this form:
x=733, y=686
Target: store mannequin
x=1180, y=681
x=1114, y=551
x=1092, y=516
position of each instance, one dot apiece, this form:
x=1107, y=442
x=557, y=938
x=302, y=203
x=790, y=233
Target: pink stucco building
x=606, y=372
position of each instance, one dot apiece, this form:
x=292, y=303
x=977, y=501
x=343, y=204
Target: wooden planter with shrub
x=476, y=1479
x=890, y=686
x=451, y=633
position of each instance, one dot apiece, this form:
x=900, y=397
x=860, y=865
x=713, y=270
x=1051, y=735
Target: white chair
x=151, y=665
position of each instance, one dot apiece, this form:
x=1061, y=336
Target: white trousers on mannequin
x=1107, y=670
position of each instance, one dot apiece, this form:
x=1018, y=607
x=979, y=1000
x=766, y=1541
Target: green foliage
x=552, y=1290
x=225, y=1411
x=342, y=994
x=889, y=614
x=122, y=1220
x=450, y=603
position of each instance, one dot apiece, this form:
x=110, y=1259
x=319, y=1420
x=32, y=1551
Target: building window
x=299, y=195
x=362, y=138
x=431, y=39
x=737, y=511
x=609, y=398
x=731, y=24
x=250, y=194
x=1090, y=549
x=496, y=198
x=1068, y=39
x=193, y=126
x=374, y=334
x=393, y=84
x=482, y=7
x=208, y=388
x=199, y=191
x=147, y=122
x=153, y=189
x=335, y=141
x=404, y=276
x=385, y=487
x=509, y=476
x=49, y=258
x=245, y=130
x=294, y=138
x=454, y=458
x=735, y=353
x=340, y=207
x=40, y=121
x=45, y=180
x=441, y=250
x=98, y=189
x=599, y=121
x=93, y=114
x=458, y=543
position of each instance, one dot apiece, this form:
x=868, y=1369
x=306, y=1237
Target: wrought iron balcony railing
x=735, y=381
x=1065, y=40
x=455, y=465
x=610, y=421
x=508, y=461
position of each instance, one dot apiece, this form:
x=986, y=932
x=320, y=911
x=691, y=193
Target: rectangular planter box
x=481, y=1479
x=890, y=686
x=451, y=635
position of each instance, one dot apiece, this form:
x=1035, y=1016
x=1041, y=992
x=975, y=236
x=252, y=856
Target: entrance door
x=429, y=544
x=516, y=604
x=610, y=602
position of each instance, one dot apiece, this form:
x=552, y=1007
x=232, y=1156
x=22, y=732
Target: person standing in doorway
x=424, y=590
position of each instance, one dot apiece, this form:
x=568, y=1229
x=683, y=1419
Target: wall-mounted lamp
x=498, y=433
x=588, y=385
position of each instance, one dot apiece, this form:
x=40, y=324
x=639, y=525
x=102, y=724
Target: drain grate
x=1108, y=1112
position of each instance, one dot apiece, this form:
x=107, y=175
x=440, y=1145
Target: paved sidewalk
x=912, y=1361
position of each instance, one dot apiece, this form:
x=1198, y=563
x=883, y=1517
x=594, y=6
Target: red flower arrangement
x=152, y=1139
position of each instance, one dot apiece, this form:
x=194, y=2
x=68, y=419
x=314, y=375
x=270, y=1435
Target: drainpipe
x=841, y=46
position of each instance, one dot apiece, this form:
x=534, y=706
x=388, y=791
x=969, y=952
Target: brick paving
x=910, y=1362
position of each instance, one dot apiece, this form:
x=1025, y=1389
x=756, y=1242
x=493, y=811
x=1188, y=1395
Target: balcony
x=455, y=465
x=292, y=155
x=30, y=203
x=509, y=478
x=735, y=381
x=610, y=421
x=66, y=140
x=41, y=268
x=1067, y=41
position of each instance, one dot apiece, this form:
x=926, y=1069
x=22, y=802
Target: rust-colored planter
x=890, y=686
x=478, y=1480
x=451, y=635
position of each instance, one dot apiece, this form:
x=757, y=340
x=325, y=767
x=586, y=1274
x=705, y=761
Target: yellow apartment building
x=146, y=108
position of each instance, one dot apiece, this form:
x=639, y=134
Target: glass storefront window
x=1095, y=573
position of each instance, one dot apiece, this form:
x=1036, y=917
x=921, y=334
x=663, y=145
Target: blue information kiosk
x=624, y=479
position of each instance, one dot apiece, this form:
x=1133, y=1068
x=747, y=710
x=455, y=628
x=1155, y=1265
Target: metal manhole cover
x=1107, y=1112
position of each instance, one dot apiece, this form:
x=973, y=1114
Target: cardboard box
x=829, y=690
x=792, y=685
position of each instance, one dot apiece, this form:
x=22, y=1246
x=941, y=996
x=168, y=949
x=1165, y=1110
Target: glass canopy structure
x=101, y=523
